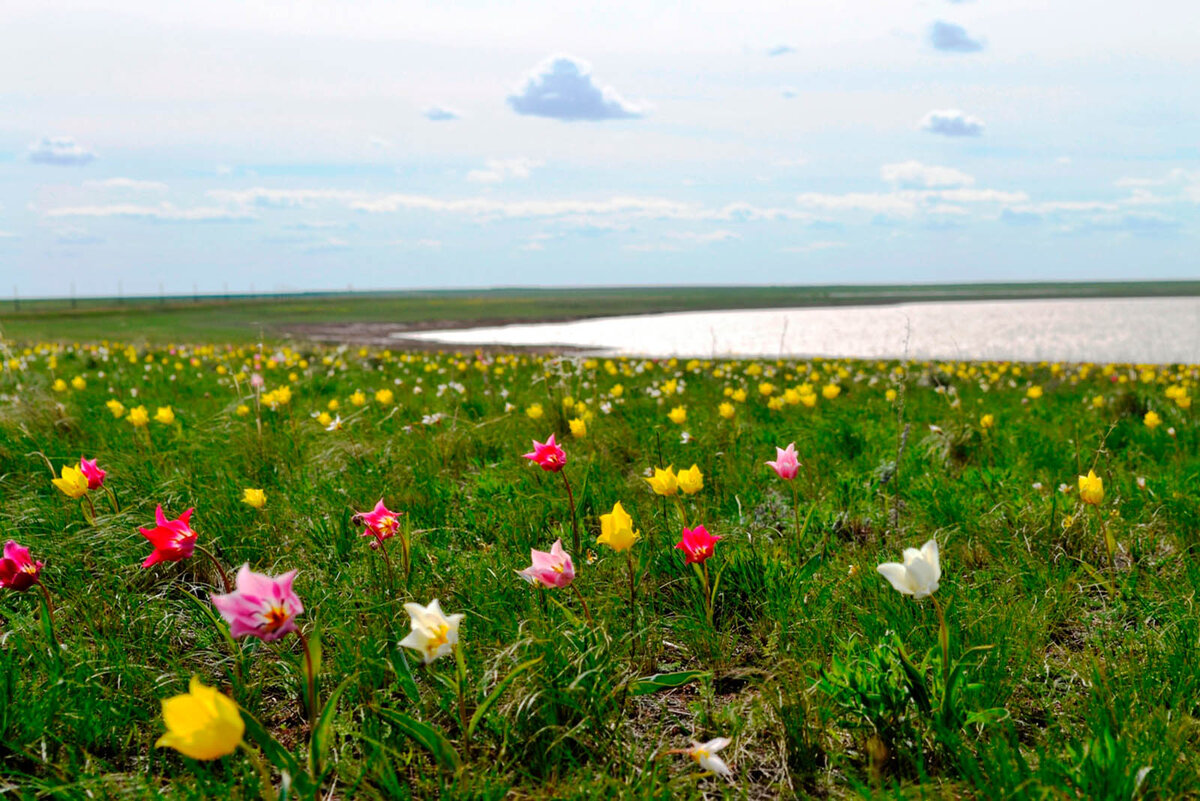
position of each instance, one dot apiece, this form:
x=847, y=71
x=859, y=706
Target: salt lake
x=1141, y=330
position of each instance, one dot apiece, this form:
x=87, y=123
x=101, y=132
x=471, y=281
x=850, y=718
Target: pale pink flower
x=553, y=569
x=786, y=465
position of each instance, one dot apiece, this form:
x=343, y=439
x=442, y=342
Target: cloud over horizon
x=951, y=38
x=562, y=88
x=951, y=122
x=62, y=151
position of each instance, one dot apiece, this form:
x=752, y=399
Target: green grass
x=828, y=682
x=252, y=319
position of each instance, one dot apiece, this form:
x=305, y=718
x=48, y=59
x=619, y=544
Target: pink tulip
x=697, y=544
x=173, y=540
x=786, y=465
x=381, y=523
x=548, y=455
x=93, y=474
x=553, y=569
x=262, y=606
x=17, y=570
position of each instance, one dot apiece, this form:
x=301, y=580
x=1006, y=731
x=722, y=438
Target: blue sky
x=302, y=144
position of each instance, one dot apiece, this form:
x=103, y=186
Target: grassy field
x=1057, y=659
x=274, y=318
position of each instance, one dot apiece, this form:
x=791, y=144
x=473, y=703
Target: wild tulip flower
x=664, y=482
x=201, y=723
x=92, y=472
x=616, y=529
x=550, y=569
x=18, y=571
x=173, y=540
x=547, y=455
x=678, y=415
x=831, y=391
x=254, y=497
x=697, y=544
x=578, y=427
x=116, y=408
x=726, y=410
x=691, y=480
x=73, y=483
x=705, y=755
x=920, y=573
x=164, y=415
x=381, y=522
x=262, y=606
x=138, y=417
x=1152, y=420
x=786, y=464
x=1091, y=488
x=433, y=634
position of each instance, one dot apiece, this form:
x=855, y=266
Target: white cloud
x=788, y=92
x=915, y=175
x=380, y=142
x=799, y=161
x=875, y=202
x=164, y=212
x=127, y=185
x=498, y=170
x=60, y=150
x=951, y=122
x=281, y=198
x=441, y=114
x=814, y=247
x=652, y=247
x=7, y=235
x=704, y=237
x=951, y=38
x=982, y=196
x=781, y=50
x=562, y=88
x=330, y=245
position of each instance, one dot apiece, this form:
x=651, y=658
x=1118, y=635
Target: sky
x=234, y=146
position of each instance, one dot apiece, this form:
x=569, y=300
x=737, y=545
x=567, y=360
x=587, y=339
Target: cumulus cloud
x=127, y=185
x=781, y=50
x=704, y=237
x=562, y=88
x=814, y=247
x=951, y=38
x=498, y=170
x=60, y=150
x=164, y=212
x=951, y=122
x=915, y=175
x=441, y=114
x=875, y=202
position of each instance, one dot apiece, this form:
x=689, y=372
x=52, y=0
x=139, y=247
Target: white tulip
x=919, y=574
x=433, y=634
x=705, y=755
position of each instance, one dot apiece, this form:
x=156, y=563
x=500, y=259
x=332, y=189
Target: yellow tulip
x=358, y=398
x=726, y=410
x=831, y=391
x=138, y=416
x=1091, y=488
x=385, y=397
x=1034, y=392
x=202, y=723
x=691, y=480
x=254, y=497
x=616, y=529
x=678, y=415
x=578, y=428
x=1152, y=420
x=534, y=411
x=78, y=383
x=987, y=421
x=73, y=482
x=164, y=415
x=116, y=407
x=664, y=482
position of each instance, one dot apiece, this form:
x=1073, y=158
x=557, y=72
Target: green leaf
x=314, y=644
x=985, y=716
x=217, y=623
x=321, y=731
x=916, y=683
x=425, y=736
x=495, y=694
x=665, y=681
x=404, y=676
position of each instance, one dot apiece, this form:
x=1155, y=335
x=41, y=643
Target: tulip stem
x=224, y=576
x=459, y=686
x=944, y=640
x=310, y=679
x=50, y=618
x=796, y=511
x=387, y=560
x=682, y=512
x=90, y=513
x=587, y=612
x=571, y=503
x=632, y=607
x=112, y=497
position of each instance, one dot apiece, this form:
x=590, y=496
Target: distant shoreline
x=374, y=317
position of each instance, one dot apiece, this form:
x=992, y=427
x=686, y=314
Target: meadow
x=1053, y=654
